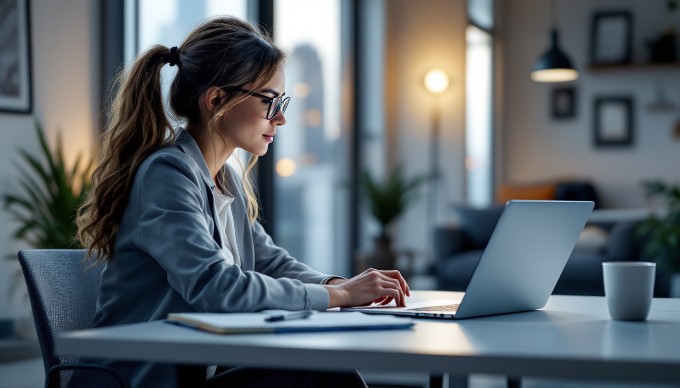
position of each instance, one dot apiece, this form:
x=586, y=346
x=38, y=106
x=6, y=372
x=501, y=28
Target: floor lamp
x=436, y=82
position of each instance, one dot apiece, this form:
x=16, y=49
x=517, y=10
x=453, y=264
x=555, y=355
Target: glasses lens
x=273, y=108
x=277, y=104
x=284, y=104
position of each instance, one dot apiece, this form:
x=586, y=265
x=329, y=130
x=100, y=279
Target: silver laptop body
x=520, y=266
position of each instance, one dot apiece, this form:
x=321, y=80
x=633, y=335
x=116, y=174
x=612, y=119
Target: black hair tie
x=173, y=56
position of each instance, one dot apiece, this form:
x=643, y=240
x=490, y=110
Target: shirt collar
x=188, y=145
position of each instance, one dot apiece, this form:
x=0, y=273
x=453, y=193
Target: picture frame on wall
x=563, y=102
x=611, y=38
x=15, y=62
x=613, y=121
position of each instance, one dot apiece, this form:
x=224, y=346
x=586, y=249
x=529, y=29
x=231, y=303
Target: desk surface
x=572, y=337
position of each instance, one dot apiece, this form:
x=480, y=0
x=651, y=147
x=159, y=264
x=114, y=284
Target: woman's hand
x=371, y=286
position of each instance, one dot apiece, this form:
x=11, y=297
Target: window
x=310, y=152
x=168, y=22
x=479, y=105
x=370, y=98
x=480, y=13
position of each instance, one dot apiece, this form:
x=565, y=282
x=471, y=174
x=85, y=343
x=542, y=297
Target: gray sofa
x=458, y=249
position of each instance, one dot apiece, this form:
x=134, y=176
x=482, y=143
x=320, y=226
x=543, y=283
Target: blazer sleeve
x=173, y=228
x=276, y=262
x=259, y=247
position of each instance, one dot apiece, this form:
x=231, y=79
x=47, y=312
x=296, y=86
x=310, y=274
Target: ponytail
x=138, y=126
x=222, y=51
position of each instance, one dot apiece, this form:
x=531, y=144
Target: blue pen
x=289, y=317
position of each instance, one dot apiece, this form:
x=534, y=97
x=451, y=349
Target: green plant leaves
x=388, y=199
x=48, y=197
x=663, y=232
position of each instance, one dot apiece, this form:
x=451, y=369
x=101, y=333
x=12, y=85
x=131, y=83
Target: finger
x=405, y=287
x=395, y=274
x=402, y=283
x=394, y=294
x=370, y=270
x=388, y=295
x=393, y=286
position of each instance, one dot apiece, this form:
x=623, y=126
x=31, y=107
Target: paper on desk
x=243, y=323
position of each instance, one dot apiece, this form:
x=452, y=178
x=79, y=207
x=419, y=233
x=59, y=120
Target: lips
x=269, y=137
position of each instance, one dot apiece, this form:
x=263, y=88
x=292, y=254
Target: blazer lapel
x=186, y=143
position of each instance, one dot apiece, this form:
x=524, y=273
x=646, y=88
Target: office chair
x=63, y=292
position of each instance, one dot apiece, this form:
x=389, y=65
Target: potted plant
x=387, y=200
x=47, y=199
x=662, y=231
x=50, y=195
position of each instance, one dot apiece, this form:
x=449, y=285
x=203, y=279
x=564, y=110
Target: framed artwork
x=563, y=102
x=611, y=37
x=613, y=126
x=15, y=62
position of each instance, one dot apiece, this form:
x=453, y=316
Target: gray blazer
x=167, y=255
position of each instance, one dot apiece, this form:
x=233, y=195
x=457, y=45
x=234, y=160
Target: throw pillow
x=623, y=242
x=478, y=223
x=592, y=238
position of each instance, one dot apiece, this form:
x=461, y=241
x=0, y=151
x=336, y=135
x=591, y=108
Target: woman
x=177, y=228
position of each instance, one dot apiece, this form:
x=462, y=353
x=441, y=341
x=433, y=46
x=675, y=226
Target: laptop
x=520, y=266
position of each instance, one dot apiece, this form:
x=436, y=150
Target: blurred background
x=480, y=132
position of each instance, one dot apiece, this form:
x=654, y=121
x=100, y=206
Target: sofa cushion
x=624, y=242
x=478, y=223
x=592, y=238
x=583, y=274
x=577, y=191
x=455, y=272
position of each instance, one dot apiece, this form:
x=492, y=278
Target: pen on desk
x=289, y=316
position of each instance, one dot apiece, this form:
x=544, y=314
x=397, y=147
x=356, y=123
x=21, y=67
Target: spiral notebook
x=247, y=323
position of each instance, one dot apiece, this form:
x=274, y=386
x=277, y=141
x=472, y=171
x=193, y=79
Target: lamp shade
x=436, y=81
x=554, y=65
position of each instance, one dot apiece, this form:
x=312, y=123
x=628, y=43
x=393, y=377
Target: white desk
x=571, y=338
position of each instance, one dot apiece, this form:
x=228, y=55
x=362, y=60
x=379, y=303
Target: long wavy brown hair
x=222, y=51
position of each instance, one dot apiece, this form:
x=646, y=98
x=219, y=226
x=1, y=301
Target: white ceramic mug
x=629, y=288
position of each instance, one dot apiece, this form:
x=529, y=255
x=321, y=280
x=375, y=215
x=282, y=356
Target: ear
x=212, y=98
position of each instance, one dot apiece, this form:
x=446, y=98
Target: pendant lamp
x=554, y=65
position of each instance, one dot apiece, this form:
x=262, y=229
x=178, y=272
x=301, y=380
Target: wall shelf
x=634, y=66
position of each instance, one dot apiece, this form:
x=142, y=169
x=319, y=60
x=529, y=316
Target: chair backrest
x=63, y=292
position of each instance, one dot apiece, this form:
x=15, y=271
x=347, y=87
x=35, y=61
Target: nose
x=279, y=119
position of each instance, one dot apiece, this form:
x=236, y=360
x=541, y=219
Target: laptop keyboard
x=449, y=307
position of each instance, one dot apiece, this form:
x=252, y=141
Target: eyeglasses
x=276, y=104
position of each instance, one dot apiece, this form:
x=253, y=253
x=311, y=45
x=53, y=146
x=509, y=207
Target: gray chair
x=63, y=292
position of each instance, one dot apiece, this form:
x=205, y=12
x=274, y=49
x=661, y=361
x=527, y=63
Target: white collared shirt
x=225, y=220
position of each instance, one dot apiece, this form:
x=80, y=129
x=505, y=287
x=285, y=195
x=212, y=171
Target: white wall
x=422, y=35
x=64, y=38
x=535, y=147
